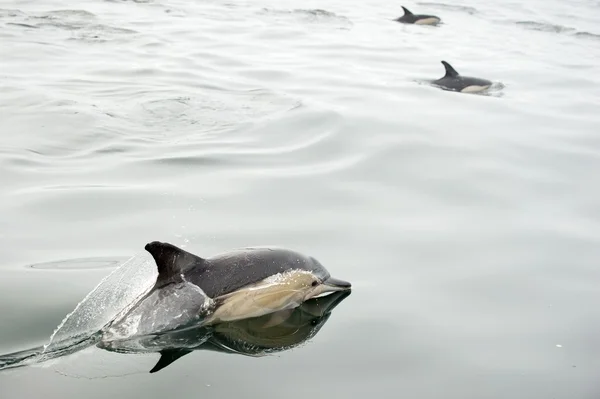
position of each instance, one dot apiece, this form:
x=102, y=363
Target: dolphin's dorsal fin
x=170, y=261
x=167, y=357
x=450, y=72
x=406, y=11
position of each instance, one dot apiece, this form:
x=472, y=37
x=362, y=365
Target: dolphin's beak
x=334, y=284
x=329, y=285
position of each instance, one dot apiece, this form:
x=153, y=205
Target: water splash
x=115, y=292
x=162, y=310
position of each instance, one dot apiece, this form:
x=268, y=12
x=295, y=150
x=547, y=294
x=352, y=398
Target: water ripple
x=588, y=35
x=81, y=24
x=544, y=27
x=80, y=264
x=314, y=16
x=239, y=123
x=555, y=28
x=450, y=7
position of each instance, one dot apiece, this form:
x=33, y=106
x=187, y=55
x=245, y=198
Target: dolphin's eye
x=314, y=283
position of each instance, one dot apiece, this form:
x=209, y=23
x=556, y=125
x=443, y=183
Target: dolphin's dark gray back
x=226, y=273
x=222, y=274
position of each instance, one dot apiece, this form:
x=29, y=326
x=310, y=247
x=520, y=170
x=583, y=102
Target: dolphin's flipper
x=450, y=72
x=406, y=11
x=167, y=357
x=171, y=261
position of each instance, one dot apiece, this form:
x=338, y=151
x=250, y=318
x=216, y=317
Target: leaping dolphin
x=248, y=282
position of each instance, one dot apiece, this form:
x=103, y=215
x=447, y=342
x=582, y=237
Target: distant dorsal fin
x=450, y=72
x=167, y=357
x=406, y=11
x=170, y=260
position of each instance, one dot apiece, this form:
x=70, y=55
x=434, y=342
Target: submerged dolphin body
x=418, y=19
x=244, y=283
x=452, y=80
x=255, y=337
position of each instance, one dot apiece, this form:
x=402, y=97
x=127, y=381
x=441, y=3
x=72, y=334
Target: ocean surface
x=469, y=225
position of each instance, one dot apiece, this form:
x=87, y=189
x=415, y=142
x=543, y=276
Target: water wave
x=4, y=12
x=312, y=16
x=554, y=28
x=22, y=25
x=81, y=24
x=450, y=7
x=544, y=27
x=588, y=35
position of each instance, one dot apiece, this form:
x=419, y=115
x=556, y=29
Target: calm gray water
x=469, y=225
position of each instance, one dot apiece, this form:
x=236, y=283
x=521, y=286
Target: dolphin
x=452, y=80
x=418, y=19
x=243, y=283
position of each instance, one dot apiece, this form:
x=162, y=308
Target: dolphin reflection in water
x=256, y=336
